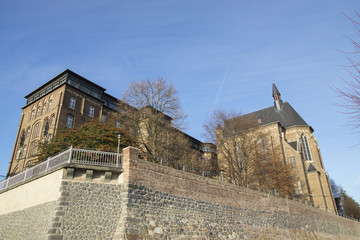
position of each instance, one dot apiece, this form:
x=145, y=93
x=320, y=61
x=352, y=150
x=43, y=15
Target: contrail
x=221, y=86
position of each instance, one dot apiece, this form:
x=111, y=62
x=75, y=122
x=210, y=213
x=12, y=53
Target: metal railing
x=72, y=155
x=90, y=157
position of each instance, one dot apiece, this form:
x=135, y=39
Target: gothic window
x=23, y=152
x=263, y=146
x=28, y=132
x=49, y=107
x=72, y=102
x=46, y=128
x=32, y=149
x=43, y=109
x=32, y=114
x=69, y=121
x=52, y=121
x=306, y=148
x=298, y=188
x=22, y=138
x=38, y=111
x=18, y=154
x=49, y=137
x=36, y=130
x=91, y=111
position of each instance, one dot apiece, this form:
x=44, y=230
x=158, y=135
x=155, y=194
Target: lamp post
x=118, y=151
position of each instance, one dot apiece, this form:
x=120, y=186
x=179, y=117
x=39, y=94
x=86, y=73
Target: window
x=49, y=138
x=38, y=111
x=22, y=138
x=49, y=107
x=32, y=149
x=103, y=118
x=69, y=121
x=292, y=161
x=28, y=132
x=84, y=89
x=73, y=83
x=36, y=130
x=24, y=152
x=32, y=114
x=46, y=128
x=72, y=102
x=94, y=94
x=43, y=109
x=91, y=111
x=52, y=123
x=117, y=124
x=298, y=188
x=306, y=148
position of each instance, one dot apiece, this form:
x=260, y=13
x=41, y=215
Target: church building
x=298, y=147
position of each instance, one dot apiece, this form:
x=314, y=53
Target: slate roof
x=286, y=116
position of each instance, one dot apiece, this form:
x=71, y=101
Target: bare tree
x=350, y=93
x=245, y=152
x=151, y=112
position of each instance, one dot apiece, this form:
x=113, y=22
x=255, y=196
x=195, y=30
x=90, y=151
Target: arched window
x=28, y=132
x=69, y=121
x=46, y=127
x=306, y=148
x=38, y=111
x=49, y=107
x=36, y=130
x=24, y=152
x=22, y=138
x=43, y=109
x=52, y=121
x=32, y=114
x=32, y=149
x=49, y=137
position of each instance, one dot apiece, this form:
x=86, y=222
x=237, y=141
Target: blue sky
x=218, y=54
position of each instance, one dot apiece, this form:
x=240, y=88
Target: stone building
x=298, y=147
x=68, y=100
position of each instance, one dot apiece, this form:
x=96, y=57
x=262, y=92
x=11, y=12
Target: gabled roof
x=286, y=116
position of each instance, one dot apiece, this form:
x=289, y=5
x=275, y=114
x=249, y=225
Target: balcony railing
x=72, y=155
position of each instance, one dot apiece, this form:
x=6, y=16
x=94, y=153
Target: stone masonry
x=149, y=201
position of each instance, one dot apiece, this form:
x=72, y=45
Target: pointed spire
x=275, y=90
x=277, y=99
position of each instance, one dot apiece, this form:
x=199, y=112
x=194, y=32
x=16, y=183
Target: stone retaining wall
x=30, y=223
x=149, y=201
x=164, y=203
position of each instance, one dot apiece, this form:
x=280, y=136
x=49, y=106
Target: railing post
x=26, y=170
x=117, y=159
x=47, y=164
x=70, y=155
